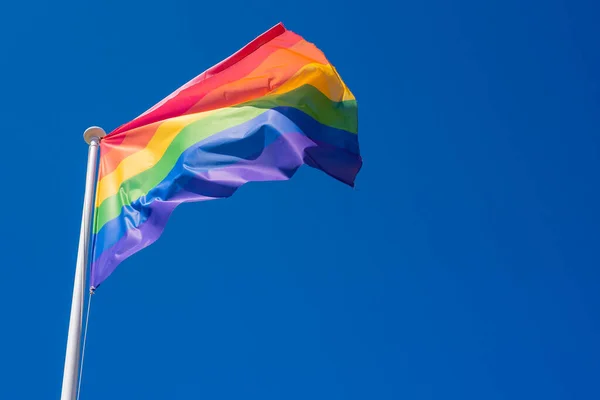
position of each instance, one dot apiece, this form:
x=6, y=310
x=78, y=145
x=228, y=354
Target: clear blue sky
x=464, y=266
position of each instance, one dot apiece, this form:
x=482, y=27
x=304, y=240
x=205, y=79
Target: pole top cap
x=91, y=132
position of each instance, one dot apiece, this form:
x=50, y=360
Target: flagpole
x=69, y=386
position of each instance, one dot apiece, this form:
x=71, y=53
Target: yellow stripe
x=323, y=77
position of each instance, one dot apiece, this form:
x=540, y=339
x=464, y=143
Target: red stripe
x=189, y=94
x=250, y=48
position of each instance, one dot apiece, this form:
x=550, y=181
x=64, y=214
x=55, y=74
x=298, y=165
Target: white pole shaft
x=71, y=372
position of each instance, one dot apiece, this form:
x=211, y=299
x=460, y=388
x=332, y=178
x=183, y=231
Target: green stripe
x=340, y=115
x=310, y=100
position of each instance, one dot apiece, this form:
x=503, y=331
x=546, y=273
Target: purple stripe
x=278, y=161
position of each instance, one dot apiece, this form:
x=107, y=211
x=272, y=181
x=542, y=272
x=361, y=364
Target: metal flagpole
x=69, y=386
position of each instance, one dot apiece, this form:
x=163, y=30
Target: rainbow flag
x=259, y=115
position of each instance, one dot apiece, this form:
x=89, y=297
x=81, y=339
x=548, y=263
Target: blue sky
x=463, y=266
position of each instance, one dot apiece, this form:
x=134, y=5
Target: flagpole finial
x=92, y=132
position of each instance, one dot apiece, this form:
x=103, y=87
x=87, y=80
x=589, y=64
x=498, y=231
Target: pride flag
x=259, y=115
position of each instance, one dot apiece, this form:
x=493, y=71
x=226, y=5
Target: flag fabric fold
x=259, y=115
